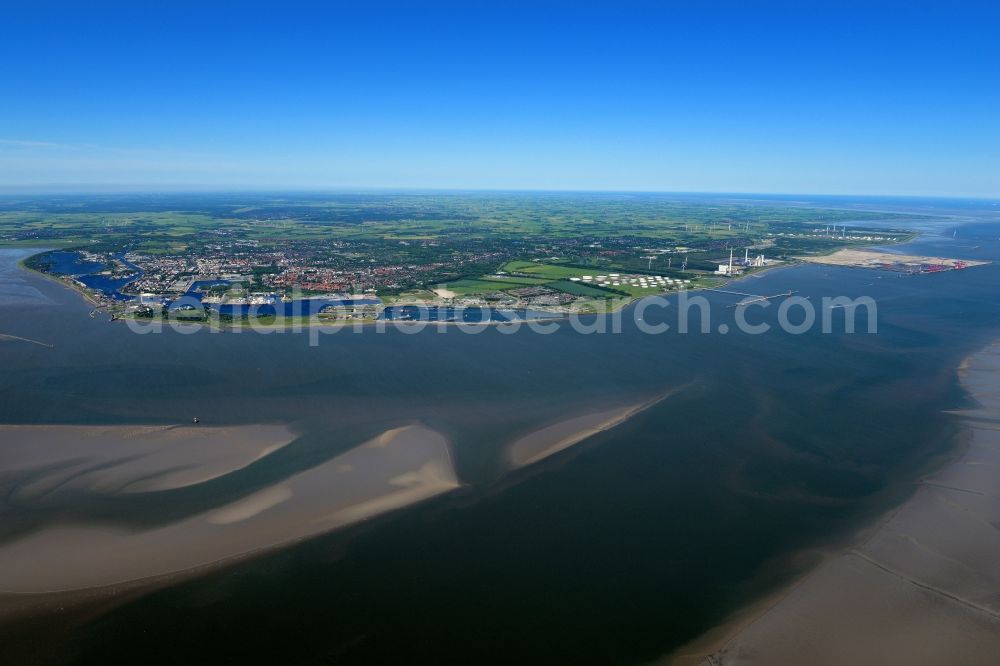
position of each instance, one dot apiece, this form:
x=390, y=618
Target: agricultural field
x=470, y=245
x=418, y=218
x=545, y=271
x=581, y=289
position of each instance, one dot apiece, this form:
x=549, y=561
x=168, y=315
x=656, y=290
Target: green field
x=477, y=287
x=580, y=289
x=543, y=270
x=156, y=222
x=519, y=280
x=408, y=243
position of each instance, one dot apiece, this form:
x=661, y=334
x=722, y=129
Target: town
x=556, y=253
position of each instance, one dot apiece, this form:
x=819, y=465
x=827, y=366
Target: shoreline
x=917, y=581
x=68, y=284
x=295, y=324
x=310, y=323
x=302, y=323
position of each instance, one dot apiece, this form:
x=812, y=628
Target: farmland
x=509, y=248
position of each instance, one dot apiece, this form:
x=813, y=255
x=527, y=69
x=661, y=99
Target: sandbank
x=552, y=439
x=113, y=459
x=396, y=469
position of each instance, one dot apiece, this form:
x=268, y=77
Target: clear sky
x=799, y=96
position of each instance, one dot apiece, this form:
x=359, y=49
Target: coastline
x=615, y=306
x=304, y=323
x=916, y=586
x=69, y=284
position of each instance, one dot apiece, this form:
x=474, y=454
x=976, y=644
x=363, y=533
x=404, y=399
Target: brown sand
x=398, y=468
x=552, y=439
x=114, y=459
x=924, y=588
x=875, y=259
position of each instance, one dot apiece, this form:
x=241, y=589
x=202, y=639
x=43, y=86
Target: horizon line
x=111, y=189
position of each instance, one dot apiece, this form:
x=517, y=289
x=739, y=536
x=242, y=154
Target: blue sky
x=812, y=97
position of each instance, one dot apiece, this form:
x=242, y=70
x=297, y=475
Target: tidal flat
x=923, y=588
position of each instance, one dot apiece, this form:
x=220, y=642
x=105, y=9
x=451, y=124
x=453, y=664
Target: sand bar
x=552, y=439
x=398, y=468
x=112, y=459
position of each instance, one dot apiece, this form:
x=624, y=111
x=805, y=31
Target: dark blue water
x=70, y=263
x=63, y=262
x=110, y=287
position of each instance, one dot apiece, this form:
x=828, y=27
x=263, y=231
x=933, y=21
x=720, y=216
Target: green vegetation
x=473, y=287
x=548, y=270
x=580, y=289
x=405, y=245
x=166, y=223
